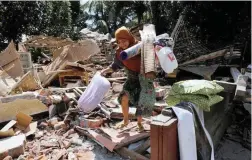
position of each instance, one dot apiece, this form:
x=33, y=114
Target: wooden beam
x=120, y=145
x=126, y=153
x=143, y=147
x=206, y=57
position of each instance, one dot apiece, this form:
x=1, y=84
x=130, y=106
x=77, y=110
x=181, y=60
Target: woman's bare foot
x=140, y=127
x=122, y=125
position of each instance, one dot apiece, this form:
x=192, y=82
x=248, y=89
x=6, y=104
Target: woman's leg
x=125, y=109
x=130, y=93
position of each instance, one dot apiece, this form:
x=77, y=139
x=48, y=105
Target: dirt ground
x=230, y=150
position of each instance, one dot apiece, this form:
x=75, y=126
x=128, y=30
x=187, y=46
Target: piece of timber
x=116, y=79
x=120, y=145
x=143, y=147
x=27, y=83
x=126, y=153
x=206, y=57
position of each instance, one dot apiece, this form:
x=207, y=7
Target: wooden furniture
x=164, y=137
x=74, y=73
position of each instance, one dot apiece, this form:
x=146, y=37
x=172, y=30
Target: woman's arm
x=116, y=64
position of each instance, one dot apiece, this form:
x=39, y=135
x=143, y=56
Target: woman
x=138, y=90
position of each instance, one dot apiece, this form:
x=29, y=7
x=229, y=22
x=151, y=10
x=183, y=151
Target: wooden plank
x=132, y=141
x=27, y=83
x=9, y=125
x=126, y=153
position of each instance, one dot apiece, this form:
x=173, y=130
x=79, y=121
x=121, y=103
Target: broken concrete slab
x=6, y=83
x=9, y=110
x=13, y=146
x=10, y=62
x=31, y=129
x=11, y=98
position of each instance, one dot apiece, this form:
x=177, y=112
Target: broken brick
x=91, y=123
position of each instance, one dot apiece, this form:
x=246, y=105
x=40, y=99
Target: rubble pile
x=39, y=109
x=40, y=115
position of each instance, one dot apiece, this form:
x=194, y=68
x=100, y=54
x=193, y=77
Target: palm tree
x=107, y=16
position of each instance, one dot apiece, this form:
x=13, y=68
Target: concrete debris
x=13, y=146
x=87, y=34
x=10, y=62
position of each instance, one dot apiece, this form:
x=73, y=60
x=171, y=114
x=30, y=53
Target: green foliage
x=57, y=18
x=36, y=53
x=17, y=17
x=214, y=23
x=53, y=18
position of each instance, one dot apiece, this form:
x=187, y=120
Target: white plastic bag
x=167, y=59
x=94, y=93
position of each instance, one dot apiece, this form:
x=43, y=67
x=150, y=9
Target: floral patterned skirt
x=140, y=91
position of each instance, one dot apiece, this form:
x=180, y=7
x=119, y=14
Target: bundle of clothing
x=202, y=93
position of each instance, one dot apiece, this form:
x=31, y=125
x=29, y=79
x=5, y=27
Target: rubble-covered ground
x=236, y=143
x=56, y=136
